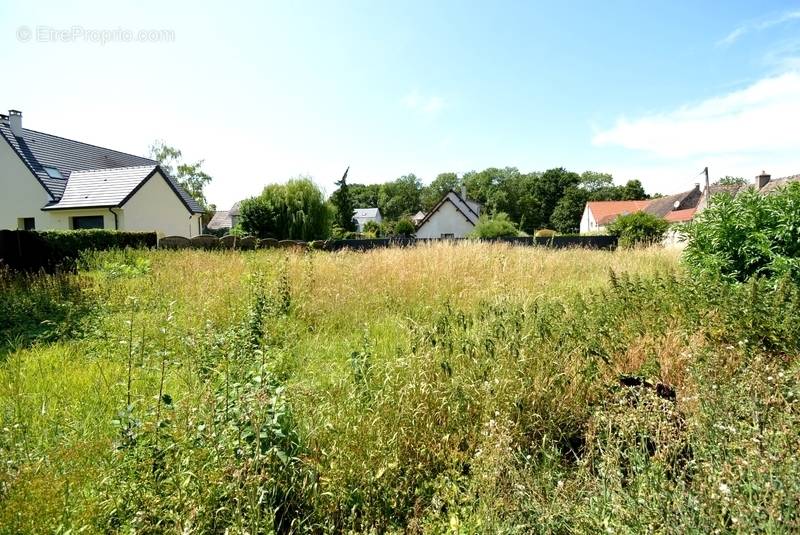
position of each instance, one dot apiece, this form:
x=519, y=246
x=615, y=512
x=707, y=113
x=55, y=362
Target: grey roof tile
x=221, y=220
x=363, y=213
x=101, y=187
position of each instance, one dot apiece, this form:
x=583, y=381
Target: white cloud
x=757, y=27
x=761, y=118
x=427, y=104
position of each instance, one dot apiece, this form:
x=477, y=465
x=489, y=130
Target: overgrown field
x=466, y=388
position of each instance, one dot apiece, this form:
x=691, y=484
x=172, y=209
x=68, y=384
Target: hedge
x=51, y=250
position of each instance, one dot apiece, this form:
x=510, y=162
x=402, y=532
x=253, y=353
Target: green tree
x=593, y=181
x=731, y=181
x=548, y=190
x=567, y=214
x=344, y=205
x=365, y=196
x=499, y=226
x=400, y=197
x=432, y=193
x=292, y=211
x=633, y=191
x=638, y=228
x=190, y=176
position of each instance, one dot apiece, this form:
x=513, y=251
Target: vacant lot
x=470, y=388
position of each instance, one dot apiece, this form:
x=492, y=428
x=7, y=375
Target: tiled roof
x=777, y=183
x=681, y=216
x=606, y=211
x=101, y=187
x=731, y=189
x=221, y=219
x=365, y=213
x=663, y=206
x=39, y=150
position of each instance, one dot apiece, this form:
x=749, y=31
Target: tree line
x=553, y=199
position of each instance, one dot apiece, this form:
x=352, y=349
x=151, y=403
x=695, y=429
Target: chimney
x=464, y=191
x=762, y=179
x=15, y=122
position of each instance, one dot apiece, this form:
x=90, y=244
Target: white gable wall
x=156, y=207
x=21, y=194
x=588, y=223
x=446, y=220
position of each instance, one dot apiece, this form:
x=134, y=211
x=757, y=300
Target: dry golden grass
x=361, y=285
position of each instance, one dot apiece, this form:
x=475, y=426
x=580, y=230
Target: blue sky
x=265, y=91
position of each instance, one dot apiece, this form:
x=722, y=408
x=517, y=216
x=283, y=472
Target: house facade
x=363, y=215
x=454, y=216
x=597, y=215
x=53, y=183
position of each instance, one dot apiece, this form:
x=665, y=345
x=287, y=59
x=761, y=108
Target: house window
x=52, y=172
x=87, y=221
x=448, y=236
x=26, y=223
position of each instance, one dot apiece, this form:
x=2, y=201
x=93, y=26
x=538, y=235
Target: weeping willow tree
x=292, y=211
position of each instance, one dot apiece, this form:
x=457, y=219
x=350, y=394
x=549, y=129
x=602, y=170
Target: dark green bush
x=404, y=227
x=747, y=235
x=638, y=228
x=73, y=242
x=53, y=249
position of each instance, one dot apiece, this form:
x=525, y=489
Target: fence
x=556, y=242
x=231, y=242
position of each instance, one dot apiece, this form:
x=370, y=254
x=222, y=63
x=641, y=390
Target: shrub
x=404, y=227
x=49, y=250
x=499, y=226
x=747, y=235
x=372, y=227
x=638, y=228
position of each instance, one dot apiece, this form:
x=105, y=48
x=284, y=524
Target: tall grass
x=466, y=388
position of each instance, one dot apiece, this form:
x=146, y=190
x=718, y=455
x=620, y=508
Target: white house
x=676, y=208
x=454, y=216
x=362, y=215
x=50, y=182
x=597, y=215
